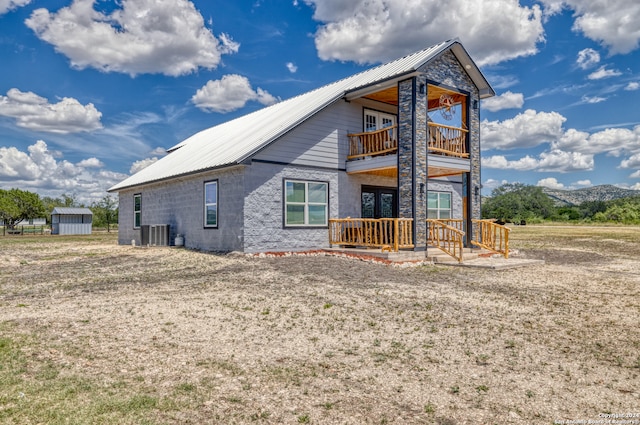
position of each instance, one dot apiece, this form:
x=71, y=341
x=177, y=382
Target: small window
x=439, y=205
x=211, y=204
x=306, y=203
x=137, y=210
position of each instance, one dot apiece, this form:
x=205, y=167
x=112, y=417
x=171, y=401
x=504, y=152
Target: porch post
x=412, y=156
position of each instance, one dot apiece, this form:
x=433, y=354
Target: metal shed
x=71, y=221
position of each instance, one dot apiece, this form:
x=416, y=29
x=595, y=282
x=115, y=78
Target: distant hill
x=604, y=192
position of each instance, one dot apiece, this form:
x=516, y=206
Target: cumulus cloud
x=587, y=58
x=603, y=72
x=608, y=23
x=583, y=183
x=551, y=183
x=142, y=164
x=144, y=36
x=613, y=141
x=36, y=113
x=635, y=175
x=368, y=31
x=40, y=170
x=554, y=160
x=525, y=130
x=506, y=100
x=292, y=67
x=228, y=94
x=631, y=162
x=8, y=5
x=632, y=86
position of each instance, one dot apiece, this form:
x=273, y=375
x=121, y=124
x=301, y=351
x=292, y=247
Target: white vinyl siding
x=318, y=142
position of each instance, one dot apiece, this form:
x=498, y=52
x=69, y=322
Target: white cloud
x=603, y=72
x=367, y=31
x=491, y=184
x=292, y=67
x=228, y=94
x=583, y=183
x=506, y=100
x=159, y=151
x=610, y=23
x=40, y=171
x=632, y=86
x=525, y=130
x=635, y=186
x=551, y=183
x=587, y=58
x=631, y=162
x=144, y=36
x=551, y=161
x=91, y=163
x=142, y=164
x=36, y=113
x=614, y=141
x=8, y=5
x=635, y=175
x=592, y=99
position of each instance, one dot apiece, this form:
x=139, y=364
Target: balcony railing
x=443, y=139
x=371, y=143
x=492, y=236
x=448, y=140
x=386, y=233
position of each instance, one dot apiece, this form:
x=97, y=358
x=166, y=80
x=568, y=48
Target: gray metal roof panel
x=72, y=211
x=234, y=141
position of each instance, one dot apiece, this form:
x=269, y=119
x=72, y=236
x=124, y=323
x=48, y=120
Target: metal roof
x=71, y=211
x=237, y=140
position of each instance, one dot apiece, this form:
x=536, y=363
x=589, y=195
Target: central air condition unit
x=155, y=235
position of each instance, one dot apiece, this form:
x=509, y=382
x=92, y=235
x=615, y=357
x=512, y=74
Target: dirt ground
x=314, y=339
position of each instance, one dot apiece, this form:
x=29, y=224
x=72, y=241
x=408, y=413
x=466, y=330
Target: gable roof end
x=237, y=140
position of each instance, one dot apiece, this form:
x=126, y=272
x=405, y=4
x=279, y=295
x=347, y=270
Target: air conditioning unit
x=159, y=235
x=155, y=235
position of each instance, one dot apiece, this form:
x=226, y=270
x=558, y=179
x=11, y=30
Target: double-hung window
x=439, y=205
x=211, y=204
x=137, y=210
x=306, y=203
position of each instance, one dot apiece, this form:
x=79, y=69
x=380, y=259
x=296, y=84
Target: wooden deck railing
x=373, y=143
x=447, y=237
x=385, y=233
x=492, y=236
x=448, y=140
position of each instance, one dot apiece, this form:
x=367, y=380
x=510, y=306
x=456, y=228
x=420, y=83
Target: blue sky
x=91, y=91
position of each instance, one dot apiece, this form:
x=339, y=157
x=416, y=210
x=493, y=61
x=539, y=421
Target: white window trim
x=135, y=212
x=379, y=115
x=306, y=203
x=205, y=204
x=438, y=208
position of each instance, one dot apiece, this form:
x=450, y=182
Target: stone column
x=412, y=156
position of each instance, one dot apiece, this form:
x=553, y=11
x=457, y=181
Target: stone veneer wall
x=412, y=156
x=447, y=70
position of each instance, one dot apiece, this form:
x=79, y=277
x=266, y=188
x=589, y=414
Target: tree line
x=17, y=205
x=517, y=202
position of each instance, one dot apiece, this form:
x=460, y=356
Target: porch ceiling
x=390, y=96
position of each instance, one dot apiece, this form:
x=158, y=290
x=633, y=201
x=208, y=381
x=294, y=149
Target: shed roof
x=235, y=141
x=71, y=211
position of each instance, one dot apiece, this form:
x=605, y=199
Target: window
x=439, y=205
x=137, y=210
x=374, y=120
x=211, y=204
x=306, y=203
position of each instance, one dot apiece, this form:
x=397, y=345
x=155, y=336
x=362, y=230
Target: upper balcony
x=375, y=151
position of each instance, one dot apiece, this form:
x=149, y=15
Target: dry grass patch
x=92, y=332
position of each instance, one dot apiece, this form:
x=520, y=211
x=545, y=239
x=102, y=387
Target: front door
x=379, y=202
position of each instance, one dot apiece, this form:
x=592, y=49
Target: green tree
x=105, y=212
x=17, y=205
x=517, y=201
x=63, y=201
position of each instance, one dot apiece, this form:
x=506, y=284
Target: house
x=388, y=158
x=71, y=221
x=40, y=221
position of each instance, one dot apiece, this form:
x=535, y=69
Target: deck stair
x=436, y=255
